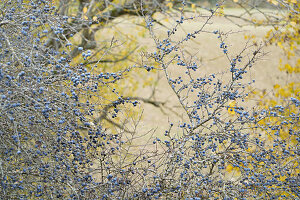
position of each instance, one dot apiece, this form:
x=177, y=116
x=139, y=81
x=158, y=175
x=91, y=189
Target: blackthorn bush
x=53, y=144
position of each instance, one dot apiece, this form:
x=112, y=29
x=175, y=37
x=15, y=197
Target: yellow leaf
x=229, y=168
x=288, y=68
x=170, y=5
x=282, y=178
x=293, y=1
x=84, y=10
x=276, y=86
x=231, y=108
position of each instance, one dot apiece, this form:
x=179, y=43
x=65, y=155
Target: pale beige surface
x=206, y=48
x=208, y=55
